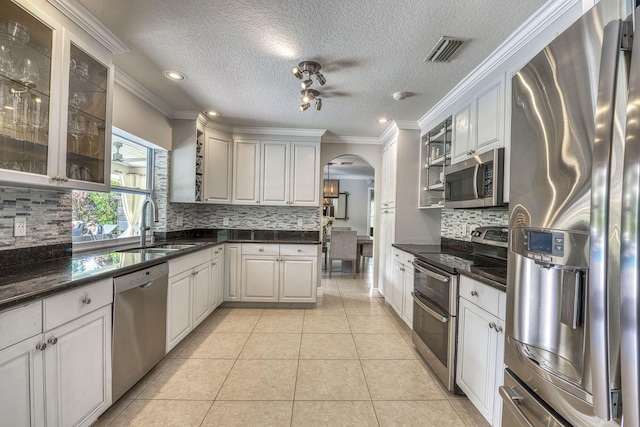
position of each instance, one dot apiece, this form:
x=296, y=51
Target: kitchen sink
x=148, y=251
x=176, y=247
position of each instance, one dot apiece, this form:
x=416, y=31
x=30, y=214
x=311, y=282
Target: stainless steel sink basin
x=176, y=247
x=148, y=250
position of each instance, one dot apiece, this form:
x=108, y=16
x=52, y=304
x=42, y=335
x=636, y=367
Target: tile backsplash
x=458, y=223
x=48, y=214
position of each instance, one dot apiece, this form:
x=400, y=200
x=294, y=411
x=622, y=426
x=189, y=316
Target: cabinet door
x=407, y=309
x=389, y=230
x=275, y=173
x=298, y=279
x=77, y=363
x=260, y=276
x=178, y=308
x=462, y=133
x=201, y=282
x=397, y=298
x=232, y=272
x=217, y=275
x=499, y=375
x=217, y=169
x=21, y=384
x=305, y=174
x=246, y=172
x=220, y=277
x=488, y=116
x=477, y=348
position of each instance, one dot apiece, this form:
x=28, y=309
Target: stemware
x=93, y=133
x=78, y=100
x=77, y=128
x=28, y=71
x=6, y=60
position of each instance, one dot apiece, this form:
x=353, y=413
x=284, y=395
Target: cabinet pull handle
x=65, y=179
x=474, y=293
x=499, y=328
x=492, y=325
x=53, y=341
x=261, y=250
x=41, y=346
x=86, y=300
x=299, y=250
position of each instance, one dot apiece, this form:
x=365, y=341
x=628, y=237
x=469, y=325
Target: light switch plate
x=300, y=222
x=20, y=226
x=179, y=221
x=225, y=221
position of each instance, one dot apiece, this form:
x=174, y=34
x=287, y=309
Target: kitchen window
x=102, y=219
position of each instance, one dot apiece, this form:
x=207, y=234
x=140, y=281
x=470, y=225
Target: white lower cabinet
x=232, y=271
x=61, y=377
x=216, y=289
x=279, y=273
x=188, y=301
x=402, y=285
x=480, y=358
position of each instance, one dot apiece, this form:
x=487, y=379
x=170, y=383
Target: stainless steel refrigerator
x=571, y=353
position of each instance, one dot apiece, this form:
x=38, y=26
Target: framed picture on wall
x=341, y=206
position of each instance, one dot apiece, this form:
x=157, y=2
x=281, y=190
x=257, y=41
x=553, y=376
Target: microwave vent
x=444, y=49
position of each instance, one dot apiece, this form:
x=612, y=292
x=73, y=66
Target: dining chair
x=340, y=229
x=343, y=247
x=367, y=252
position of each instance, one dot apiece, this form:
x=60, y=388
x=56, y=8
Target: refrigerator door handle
x=630, y=244
x=599, y=228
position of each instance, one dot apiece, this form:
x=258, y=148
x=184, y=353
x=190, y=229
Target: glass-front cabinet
x=55, y=103
x=435, y=154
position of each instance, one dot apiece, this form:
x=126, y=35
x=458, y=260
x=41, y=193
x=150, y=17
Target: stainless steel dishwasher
x=139, y=325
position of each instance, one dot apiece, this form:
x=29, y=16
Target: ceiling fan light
x=304, y=106
x=306, y=83
x=318, y=104
x=320, y=78
x=296, y=72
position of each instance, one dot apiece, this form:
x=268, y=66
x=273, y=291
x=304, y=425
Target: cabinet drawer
x=301, y=250
x=260, y=249
x=397, y=254
x=70, y=305
x=480, y=294
x=19, y=323
x=187, y=262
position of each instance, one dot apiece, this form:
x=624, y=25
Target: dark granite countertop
x=21, y=283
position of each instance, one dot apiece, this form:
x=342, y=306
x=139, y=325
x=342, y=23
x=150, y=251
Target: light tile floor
x=348, y=362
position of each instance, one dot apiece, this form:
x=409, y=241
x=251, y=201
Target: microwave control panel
x=488, y=179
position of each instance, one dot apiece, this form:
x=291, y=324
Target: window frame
x=93, y=245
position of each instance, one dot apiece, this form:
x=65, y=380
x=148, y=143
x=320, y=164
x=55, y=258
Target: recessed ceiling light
x=383, y=120
x=212, y=113
x=174, y=75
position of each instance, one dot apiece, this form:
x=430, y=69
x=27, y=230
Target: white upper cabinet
x=55, y=103
x=305, y=174
x=218, y=152
x=246, y=172
x=389, y=174
x=478, y=126
x=275, y=173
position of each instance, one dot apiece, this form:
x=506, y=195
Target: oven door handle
x=432, y=312
x=430, y=273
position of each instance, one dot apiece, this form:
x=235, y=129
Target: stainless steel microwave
x=476, y=182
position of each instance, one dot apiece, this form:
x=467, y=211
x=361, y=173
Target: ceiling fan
x=118, y=157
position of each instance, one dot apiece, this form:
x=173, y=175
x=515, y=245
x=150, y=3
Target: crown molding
x=219, y=126
x=89, y=23
x=136, y=88
x=314, y=133
x=187, y=115
x=363, y=140
x=407, y=125
x=531, y=28
x=390, y=132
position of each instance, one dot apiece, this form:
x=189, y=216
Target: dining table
x=362, y=240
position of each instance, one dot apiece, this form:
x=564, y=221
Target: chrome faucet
x=143, y=222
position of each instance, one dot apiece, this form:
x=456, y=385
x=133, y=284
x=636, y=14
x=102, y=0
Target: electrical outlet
x=300, y=222
x=461, y=229
x=225, y=221
x=179, y=221
x=20, y=226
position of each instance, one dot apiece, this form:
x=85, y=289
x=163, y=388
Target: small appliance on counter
x=435, y=296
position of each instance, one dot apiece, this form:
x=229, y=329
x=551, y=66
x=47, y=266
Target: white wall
x=357, y=204
x=135, y=116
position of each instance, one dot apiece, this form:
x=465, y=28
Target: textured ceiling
x=238, y=54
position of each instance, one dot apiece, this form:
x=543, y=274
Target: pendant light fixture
x=331, y=187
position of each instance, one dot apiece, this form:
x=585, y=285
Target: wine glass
x=93, y=133
x=28, y=71
x=77, y=128
x=78, y=100
x=6, y=61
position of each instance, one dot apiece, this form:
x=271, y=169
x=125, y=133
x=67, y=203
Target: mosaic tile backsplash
x=458, y=223
x=48, y=214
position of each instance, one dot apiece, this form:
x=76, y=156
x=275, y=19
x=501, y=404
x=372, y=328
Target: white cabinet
x=279, y=273
x=478, y=126
x=386, y=235
x=389, y=174
x=62, y=376
x=246, y=172
x=218, y=150
x=480, y=358
x=216, y=290
x=56, y=127
x=402, y=285
x=232, y=271
x=277, y=173
x=188, y=295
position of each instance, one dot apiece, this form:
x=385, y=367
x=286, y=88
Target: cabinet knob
x=41, y=346
x=474, y=293
x=53, y=340
x=65, y=179
x=492, y=325
x=261, y=250
x=498, y=328
x=86, y=300
x=257, y=201
x=299, y=250
x=213, y=263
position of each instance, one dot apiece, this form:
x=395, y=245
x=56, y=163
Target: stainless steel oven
x=435, y=306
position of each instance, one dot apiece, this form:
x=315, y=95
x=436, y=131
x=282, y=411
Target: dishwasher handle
x=141, y=278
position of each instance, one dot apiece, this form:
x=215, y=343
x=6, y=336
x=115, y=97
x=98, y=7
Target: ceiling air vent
x=444, y=49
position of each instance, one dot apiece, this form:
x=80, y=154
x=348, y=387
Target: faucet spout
x=144, y=227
